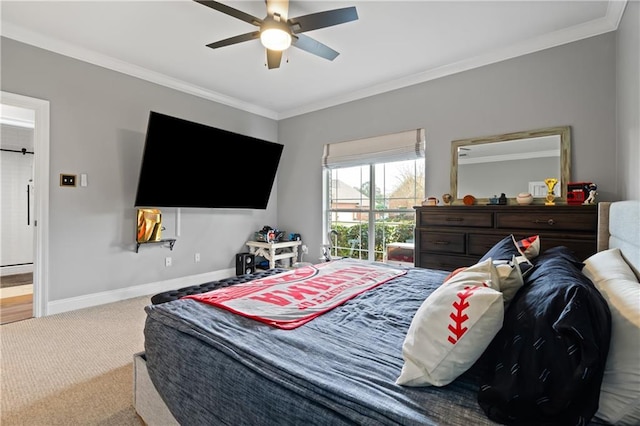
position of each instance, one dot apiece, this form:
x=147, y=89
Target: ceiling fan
x=277, y=32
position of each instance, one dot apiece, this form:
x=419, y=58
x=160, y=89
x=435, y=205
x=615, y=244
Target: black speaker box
x=245, y=263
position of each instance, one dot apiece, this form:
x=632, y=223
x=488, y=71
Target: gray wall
x=628, y=103
x=98, y=125
x=573, y=84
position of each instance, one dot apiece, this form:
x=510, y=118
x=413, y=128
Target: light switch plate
x=67, y=180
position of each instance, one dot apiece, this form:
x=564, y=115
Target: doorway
x=16, y=195
x=25, y=202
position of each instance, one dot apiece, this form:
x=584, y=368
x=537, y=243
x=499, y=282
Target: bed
x=368, y=360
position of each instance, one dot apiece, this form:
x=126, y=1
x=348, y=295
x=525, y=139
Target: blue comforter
x=213, y=367
x=544, y=367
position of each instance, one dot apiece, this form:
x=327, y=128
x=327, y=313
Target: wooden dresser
x=448, y=237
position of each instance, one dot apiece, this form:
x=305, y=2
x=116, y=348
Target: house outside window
x=370, y=189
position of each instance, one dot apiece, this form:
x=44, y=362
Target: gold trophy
x=551, y=183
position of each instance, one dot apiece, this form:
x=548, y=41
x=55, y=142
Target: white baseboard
x=16, y=269
x=95, y=299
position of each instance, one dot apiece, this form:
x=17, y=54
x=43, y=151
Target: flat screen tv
x=187, y=164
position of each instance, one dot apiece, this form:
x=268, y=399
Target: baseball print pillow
x=453, y=327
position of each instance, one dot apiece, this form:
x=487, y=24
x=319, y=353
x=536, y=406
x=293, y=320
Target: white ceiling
x=393, y=44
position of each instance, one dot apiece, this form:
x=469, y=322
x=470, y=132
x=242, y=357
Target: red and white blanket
x=293, y=298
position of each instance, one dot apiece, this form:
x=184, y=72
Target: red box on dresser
x=577, y=192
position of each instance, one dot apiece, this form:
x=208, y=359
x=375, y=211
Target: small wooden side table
x=275, y=251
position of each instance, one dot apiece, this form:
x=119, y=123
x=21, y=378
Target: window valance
x=407, y=145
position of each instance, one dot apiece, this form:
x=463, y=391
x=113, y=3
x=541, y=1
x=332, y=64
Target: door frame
x=41, y=195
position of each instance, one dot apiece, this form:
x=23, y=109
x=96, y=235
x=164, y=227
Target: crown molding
x=608, y=23
x=26, y=36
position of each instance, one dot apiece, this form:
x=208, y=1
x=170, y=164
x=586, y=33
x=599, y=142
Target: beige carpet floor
x=74, y=368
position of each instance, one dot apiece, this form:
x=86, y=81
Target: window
x=371, y=187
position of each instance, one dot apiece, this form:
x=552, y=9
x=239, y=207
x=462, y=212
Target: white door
x=28, y=242
x=16, y=199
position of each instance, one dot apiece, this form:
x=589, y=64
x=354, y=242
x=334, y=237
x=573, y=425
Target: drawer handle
x=548, y=222
x=455, y=219
x=442, y=243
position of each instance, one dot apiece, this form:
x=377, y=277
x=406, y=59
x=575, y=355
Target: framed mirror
x=512, y=163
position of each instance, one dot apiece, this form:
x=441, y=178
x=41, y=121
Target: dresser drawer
x=479, y=244
x=581, y=248
x=444, y=242
x=542, y=221
x=455, y=218
x=444, y=262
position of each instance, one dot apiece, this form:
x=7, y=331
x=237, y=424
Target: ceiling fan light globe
x=275, y=39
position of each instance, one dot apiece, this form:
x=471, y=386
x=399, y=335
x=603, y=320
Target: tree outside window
x=372, y=200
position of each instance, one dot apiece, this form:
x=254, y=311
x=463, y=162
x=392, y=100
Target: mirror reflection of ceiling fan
x=277, y=32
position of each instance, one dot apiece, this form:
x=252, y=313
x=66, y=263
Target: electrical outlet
x=167, y=261
x=305, y=249
x=196, y=257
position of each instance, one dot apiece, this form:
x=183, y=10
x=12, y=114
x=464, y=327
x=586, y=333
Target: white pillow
x=453, y=327
x=510, y=278
x=529, y=247
x=620, y=390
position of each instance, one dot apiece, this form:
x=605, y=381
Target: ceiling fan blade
x=310, y=45
x=231, y=11
x=234, y=40
x=280, y=7
x=273, y=58
x=324, y=19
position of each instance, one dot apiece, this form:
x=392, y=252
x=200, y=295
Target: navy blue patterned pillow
x=546, y=364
